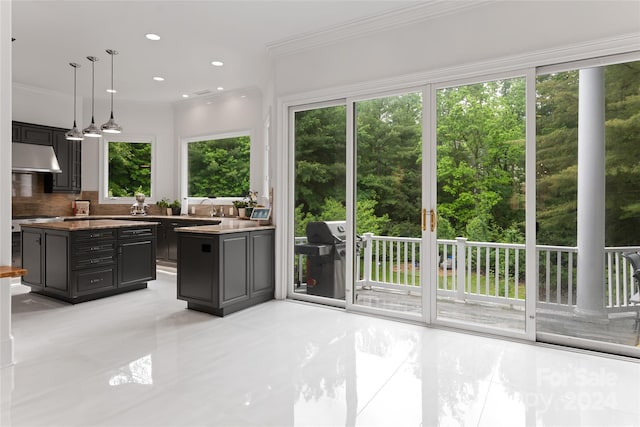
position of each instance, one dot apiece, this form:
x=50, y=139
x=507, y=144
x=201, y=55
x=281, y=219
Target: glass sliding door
x=588, y=209
x=480, y=189
x=388, y=202
x=319, y=133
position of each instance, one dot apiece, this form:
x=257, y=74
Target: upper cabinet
x=69, y=158
x=33, y=134
x=69, y=154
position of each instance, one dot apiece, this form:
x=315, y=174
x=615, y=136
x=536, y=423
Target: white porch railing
x=485, y=271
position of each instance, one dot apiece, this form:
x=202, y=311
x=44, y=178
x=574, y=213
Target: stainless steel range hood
x=30, y=158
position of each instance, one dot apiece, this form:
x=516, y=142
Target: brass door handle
x=424, y=219
x=434, y=220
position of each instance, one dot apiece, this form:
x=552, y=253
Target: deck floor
x=617, y=328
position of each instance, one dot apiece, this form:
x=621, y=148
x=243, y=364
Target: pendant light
x=111, y=126
x=74, y=134
x=92, y=130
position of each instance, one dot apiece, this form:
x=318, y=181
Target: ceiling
x=51, y=34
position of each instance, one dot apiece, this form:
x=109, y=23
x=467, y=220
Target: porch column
x=591, y=192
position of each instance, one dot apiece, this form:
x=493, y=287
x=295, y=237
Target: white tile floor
x=143, y=359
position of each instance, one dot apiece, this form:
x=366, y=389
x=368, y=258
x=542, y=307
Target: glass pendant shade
x=74, y=134
x=92, y=130
x=111, y=126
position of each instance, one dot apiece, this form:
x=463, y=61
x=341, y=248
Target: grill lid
x=327, y=232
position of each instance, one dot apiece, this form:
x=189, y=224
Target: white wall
x=485, y=33
x=44, y=107
x=224, y=113
x=136, y=119
x=34, y=105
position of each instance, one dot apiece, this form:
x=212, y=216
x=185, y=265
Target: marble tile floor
x=143, y=359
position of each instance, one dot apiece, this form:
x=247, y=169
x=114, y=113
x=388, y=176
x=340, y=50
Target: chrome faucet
x=212, y=213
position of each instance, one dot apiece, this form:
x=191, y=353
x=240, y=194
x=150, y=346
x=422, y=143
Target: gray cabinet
x=77, y=266
x=69, y=155
x=16, y=249
x=32, y=257
x=136, y=255
x=224, y=273
x=168, y=238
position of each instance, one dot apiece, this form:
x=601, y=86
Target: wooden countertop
x=86, y=224
x=8, y=271
x=228, y=225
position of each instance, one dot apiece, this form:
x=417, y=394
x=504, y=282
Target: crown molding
x=360, y=27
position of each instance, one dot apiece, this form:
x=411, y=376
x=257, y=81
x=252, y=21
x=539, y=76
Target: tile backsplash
x=29, y=198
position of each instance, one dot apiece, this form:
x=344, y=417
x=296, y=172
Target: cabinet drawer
x=131, y=233
x=88, y=236
x=95, y=279
x=96, y=248
x=93, y=260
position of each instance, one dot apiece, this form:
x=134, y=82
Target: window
x=127, y=168
x=216, y=166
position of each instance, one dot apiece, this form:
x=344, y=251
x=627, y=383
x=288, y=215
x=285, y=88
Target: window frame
x=184, y=164
x=104, y=167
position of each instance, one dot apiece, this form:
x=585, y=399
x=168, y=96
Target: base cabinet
x=168, y=237
x=224, y=273
x=32, y=258
x=77, y=266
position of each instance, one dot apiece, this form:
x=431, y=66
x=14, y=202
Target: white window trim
x=184, y=165
x=104, y=167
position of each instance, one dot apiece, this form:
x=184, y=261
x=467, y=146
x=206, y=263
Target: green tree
x=219, y=167
x=129, y=169
x=480, y=155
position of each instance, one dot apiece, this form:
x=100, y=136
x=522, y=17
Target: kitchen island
x=227, y=267
x=77, y=261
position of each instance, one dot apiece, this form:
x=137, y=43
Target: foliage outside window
x=557, y=155
x=129, y=168
x=219, y=167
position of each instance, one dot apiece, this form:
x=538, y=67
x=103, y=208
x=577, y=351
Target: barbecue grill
x=325, y=251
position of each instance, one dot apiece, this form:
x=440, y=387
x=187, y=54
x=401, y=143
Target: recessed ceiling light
x=184, y=95
x=209, y=102
x=243, y=96
x=152, y=36
x=158, y=79
x=217, y=63
x=220, y=88
x=112, y=91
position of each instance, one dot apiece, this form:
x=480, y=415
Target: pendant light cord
x=112, y=85
x=75, y=73
x=93, y=86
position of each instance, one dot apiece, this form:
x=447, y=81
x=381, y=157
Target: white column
x=591, y=192
x=6, y=339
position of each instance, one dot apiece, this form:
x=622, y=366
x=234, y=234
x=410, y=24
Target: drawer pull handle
x=92, y=281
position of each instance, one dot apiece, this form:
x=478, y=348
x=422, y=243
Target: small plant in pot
x=241, y=206
x=175, y=207
x=164, y=205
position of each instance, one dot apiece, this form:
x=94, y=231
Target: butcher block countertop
x=228, y=225
x=87, y=224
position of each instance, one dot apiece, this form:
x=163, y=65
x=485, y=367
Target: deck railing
x=485, y=271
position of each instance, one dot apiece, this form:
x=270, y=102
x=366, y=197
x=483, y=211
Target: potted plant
x=240, y=206
x=175, y=207
x=252, y=201
x=163, y=204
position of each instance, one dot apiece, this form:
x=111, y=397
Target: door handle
x=424, y=219
x=434, y=220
